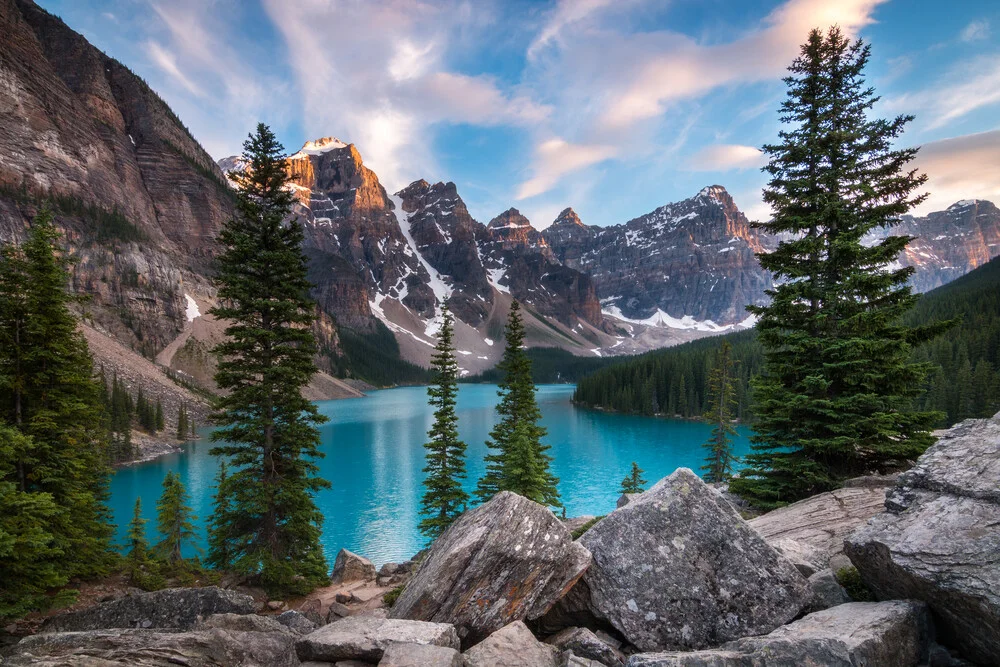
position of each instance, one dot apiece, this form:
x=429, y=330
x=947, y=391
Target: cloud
x=965, y=88
x=555, y=158
x=166, y=61
x=976, y=31
x=723, y=157
x=566, y=13
x=965, y=167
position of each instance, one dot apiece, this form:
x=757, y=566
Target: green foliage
x=836, y=398
x=375, y=359
x=183, y=427
x=118, y=408
x=104, y=226
x=722, y=403
x=390, y=597
x=633, y=482
x=220, y=555
x=141, y=568
x=269, y=528
x=444, y=499
x=578, y=533
x=518, y=461
x=174, y=520
x=57, y=455
x=850, y=579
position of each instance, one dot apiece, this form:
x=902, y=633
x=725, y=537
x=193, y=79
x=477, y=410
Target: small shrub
x=585, y=527
x=850, y=579
x=393, y=595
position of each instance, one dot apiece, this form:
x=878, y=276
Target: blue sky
x=613, y=107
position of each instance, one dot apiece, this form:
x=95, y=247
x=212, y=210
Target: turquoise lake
x=374, y=457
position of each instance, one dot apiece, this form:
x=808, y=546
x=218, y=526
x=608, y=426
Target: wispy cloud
x=966, y=167
x=554, y=158
x=965, y=88
x=166, y=61
x=976, y=31
x=724, y=157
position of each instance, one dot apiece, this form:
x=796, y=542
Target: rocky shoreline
x=898, y=572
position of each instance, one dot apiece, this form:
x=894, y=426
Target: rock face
x=420, y=655
x=175, y=608
x=367, y=637
x=585, y=644
x=939, y=541
x=509, y=559
x=678, y=568
x=887, y=634
x=351, y=567
x=512, y=646
x=826, y=591
x=132, y=648
x=693, y=258
x=821, y=521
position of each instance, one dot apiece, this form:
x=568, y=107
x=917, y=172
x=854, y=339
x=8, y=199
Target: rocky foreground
x=674, y=577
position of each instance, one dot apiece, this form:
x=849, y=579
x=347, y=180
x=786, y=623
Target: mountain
x=687, y=265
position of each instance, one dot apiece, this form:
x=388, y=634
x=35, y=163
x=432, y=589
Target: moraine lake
x=375, y=456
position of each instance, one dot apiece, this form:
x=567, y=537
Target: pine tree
x=633, y=482
x=267, y=428
x=835, y=400
x=219, y=555
x=49, y=394
x=517, y=452
x=182, y=423
x=174, y=519
x=140, y=568
x=158, y=424
x=444, y=499
x=722, y=402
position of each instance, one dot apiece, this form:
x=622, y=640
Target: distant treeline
x=375, y=358
x=552, y=365
x=965, y=381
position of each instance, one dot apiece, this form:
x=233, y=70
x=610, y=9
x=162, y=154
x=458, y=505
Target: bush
x=585, y=527
x=393, y=595
x=850, y=579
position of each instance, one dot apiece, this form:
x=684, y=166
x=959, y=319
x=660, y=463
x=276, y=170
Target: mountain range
x=141, y=203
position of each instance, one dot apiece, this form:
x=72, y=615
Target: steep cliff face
x=139, y=200
x=688, y=264
x=950, y=243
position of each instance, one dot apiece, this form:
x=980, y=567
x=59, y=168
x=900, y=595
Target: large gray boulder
x=821, y=521
x=875, y=634
x=367, y=637
x=509, y=559
x=584, y=643
x=939, y=539
x=175, y=608
x=213, y=647
x=678, y=568
x=826, y=591
x=349, y=567
x=512, y=646
x=420, y=655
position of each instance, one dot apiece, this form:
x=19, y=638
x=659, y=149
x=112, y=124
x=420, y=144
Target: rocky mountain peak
x=319, y=146
x=717, y=193
x=510, y=219
x=568, y=217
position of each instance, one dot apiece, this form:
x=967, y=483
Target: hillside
x=965, y=381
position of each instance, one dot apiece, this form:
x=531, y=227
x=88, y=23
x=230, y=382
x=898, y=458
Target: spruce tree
x=517, y=453
x=444, y=498
x=182, y=423
x=835, y=398
x=49, y=394
x=174, y=519
x=267, y=429
x=633, y=482
x=219, y=555
x=722, y=402
x=140, y=567
x=158, y=424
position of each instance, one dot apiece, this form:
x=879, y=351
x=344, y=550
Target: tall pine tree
x=174, y=520
x=444, y=498
x=218, y=544
x=633, y=482
x=835, y=400
x=49, y=394
x=517, y=457
x=721, y=405
x=267, y=429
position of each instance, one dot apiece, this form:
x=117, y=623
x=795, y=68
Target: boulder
x=570, y=660
x=625, y=499
x=351, y=567
x=939, y=539
x=175, y=608
x=420, y=655
x=297, y=622
x=805, y=557
x=585, y=644
x=577, y=522
x=367, y=637
x=509, y=559
x=883, y=634
x=822, y=521
x=512, y=646
x=129, y=648
x=678, y=568
x=826, y=591
x=337, y=611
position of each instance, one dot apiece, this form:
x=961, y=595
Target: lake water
x=374, y=457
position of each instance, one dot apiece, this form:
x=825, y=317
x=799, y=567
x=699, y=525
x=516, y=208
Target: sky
x=613, y=107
